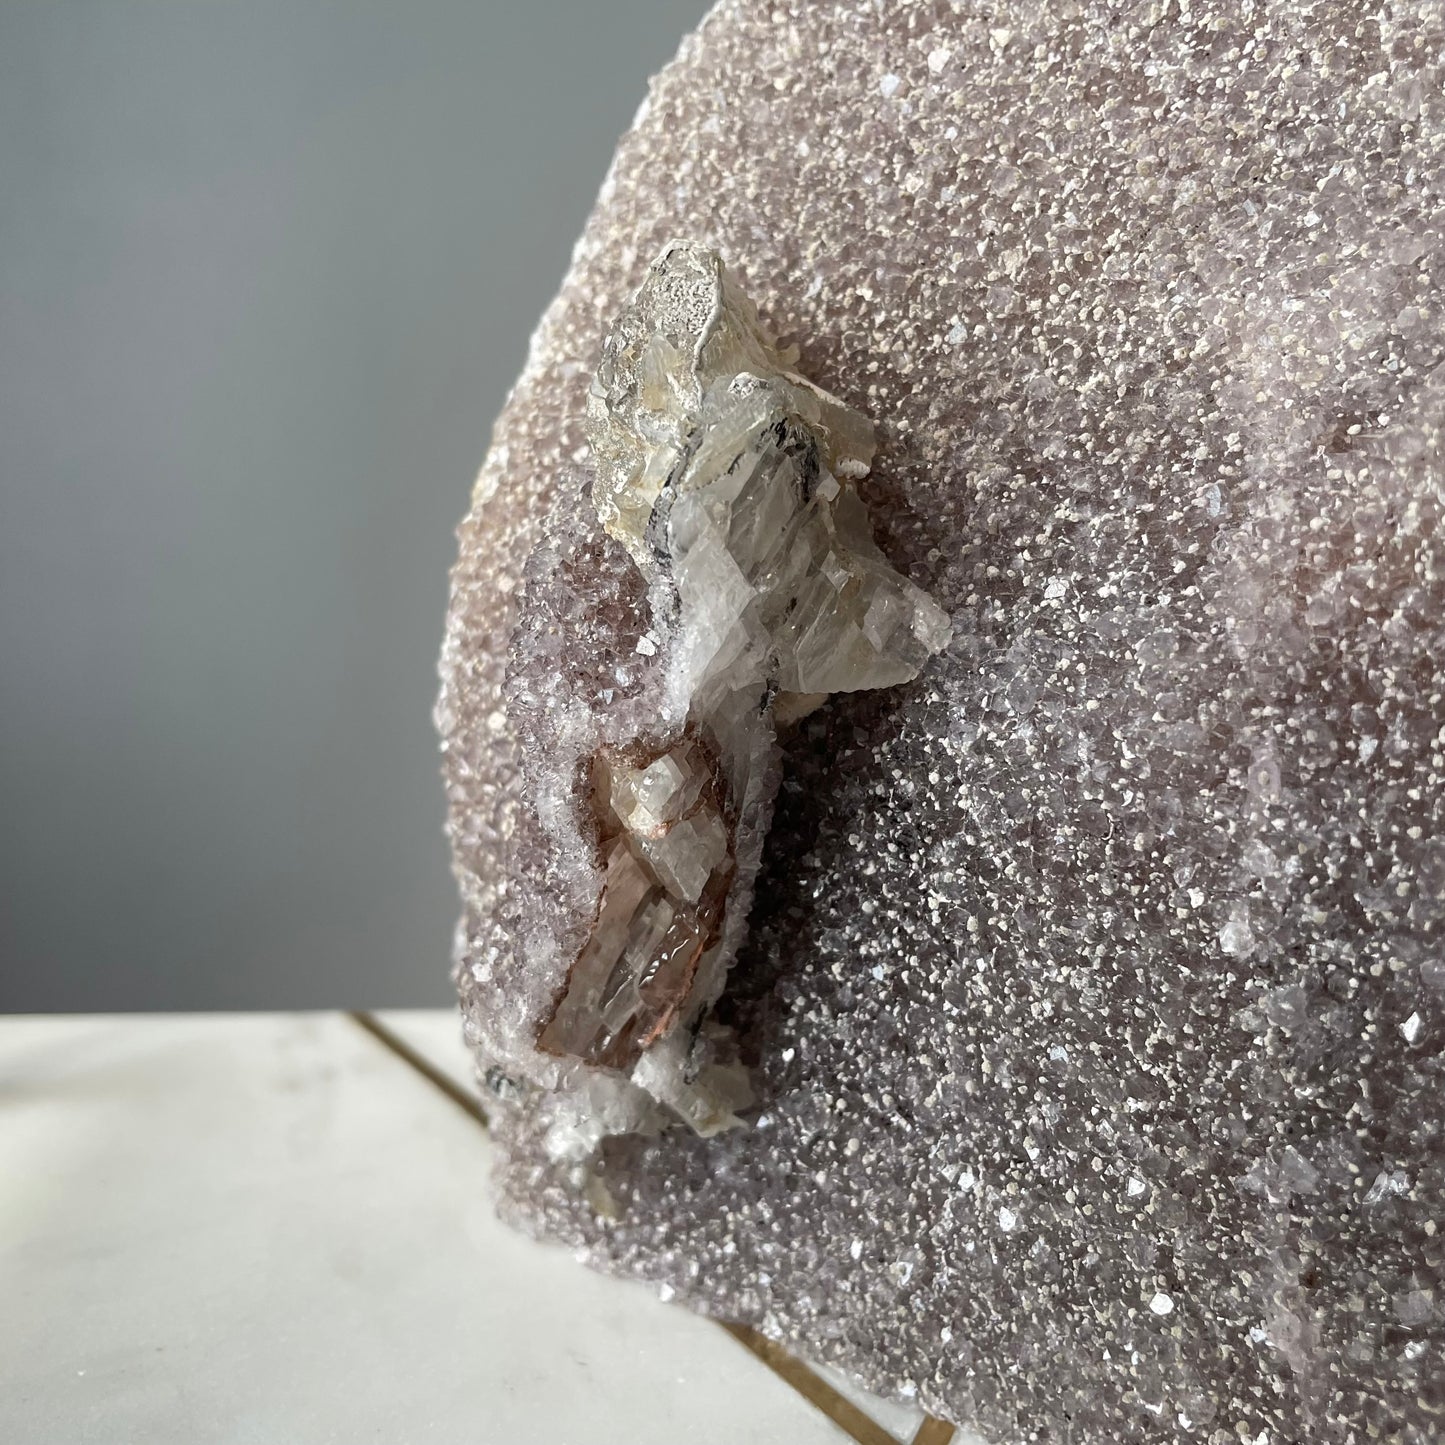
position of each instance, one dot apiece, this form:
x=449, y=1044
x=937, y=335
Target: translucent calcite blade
x=1093, y=1000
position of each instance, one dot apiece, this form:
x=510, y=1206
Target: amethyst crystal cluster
x=974, y=907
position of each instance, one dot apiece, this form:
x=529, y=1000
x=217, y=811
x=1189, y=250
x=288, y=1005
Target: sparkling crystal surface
x=1094, y=998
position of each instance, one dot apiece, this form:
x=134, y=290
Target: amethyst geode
x=1093, y=999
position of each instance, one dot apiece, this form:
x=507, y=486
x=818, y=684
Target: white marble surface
x=269, y=1230
x=900, y=1420
x=436, y=1034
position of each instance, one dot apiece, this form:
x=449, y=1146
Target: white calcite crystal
x=729, y=480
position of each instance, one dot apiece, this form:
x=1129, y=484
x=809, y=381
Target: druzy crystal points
x=1094, y=993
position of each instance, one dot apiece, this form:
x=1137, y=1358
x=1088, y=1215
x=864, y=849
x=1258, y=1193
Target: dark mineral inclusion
x=1094, y=995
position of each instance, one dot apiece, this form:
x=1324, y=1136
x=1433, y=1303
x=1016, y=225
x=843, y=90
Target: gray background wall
x=267, y=268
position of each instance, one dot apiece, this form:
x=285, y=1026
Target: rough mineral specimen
x=1094, y=991
x=718, y=470
x=728, y=478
